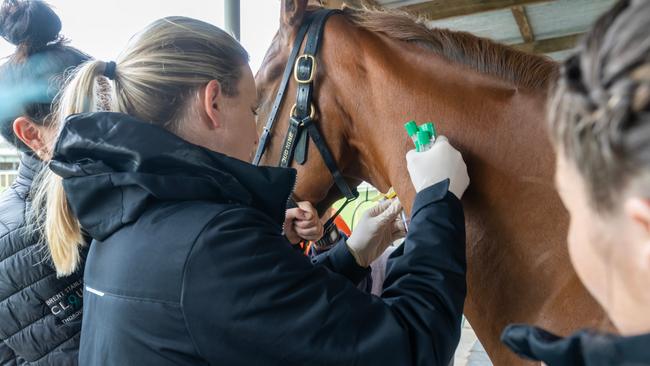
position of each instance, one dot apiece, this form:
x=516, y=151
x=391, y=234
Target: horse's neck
x=498, y=127
x=515, y=220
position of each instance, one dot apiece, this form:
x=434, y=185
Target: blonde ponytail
x=61, y=228
x=56, y=222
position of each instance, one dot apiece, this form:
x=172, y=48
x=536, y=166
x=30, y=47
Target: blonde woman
x=189, y=265
x=600, y=123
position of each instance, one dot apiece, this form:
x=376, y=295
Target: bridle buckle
x=312, y=112
x=296, y=70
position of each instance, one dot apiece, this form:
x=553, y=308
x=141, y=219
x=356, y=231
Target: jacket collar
x=115, y=166
x=29, y=166
x=582, y=348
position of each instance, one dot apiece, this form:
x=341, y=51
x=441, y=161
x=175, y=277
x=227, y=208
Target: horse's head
x=315, y=183
x=372, y=75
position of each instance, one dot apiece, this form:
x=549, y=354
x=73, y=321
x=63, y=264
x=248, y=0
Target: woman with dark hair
x=40, y=312
x=600, y=126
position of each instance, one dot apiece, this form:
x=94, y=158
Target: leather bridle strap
x=305, y=73
x=288, y=72
x=302, y=115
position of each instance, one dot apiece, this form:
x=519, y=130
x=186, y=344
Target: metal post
x=231, y=10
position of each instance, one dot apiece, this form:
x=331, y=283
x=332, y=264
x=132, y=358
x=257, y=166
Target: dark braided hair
x=600, y=113
x=32, y=77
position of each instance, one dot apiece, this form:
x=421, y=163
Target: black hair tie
x=109, y=71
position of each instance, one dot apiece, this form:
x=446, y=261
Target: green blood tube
x=431, y=128
x=412, y=130
x=424, y=141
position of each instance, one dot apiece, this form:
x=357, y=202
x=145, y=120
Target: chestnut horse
x=378, y=69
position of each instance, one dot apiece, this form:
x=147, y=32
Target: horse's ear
x=292, y=12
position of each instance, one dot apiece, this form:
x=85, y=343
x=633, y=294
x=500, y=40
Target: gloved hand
x=378, y=228
x=302, y=222
x=440, y=162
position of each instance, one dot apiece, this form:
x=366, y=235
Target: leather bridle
x=302, y=118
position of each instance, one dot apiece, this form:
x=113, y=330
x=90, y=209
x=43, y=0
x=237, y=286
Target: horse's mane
x=481, y=54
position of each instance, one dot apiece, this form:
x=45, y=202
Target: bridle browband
x=302, y=117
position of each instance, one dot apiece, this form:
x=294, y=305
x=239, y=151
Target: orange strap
x=340, y=223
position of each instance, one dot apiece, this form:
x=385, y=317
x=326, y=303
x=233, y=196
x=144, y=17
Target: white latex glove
x=378, y=228
x=302, y=222
x=433, y=166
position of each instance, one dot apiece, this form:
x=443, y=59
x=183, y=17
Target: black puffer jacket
x=189, y=266
x=40, y=315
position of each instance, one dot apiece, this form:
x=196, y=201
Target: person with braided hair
x=600, y=127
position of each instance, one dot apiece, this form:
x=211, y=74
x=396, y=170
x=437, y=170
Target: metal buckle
x=312, y=75
x=312, y=112
x=329, y=239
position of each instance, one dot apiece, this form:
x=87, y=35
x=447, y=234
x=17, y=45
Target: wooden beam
x=333, y=4
x=440, y=9
x=359, y=4
x=549, y=45
x=519, y=13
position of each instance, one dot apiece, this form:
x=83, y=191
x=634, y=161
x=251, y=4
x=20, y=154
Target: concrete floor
x=470, y=352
